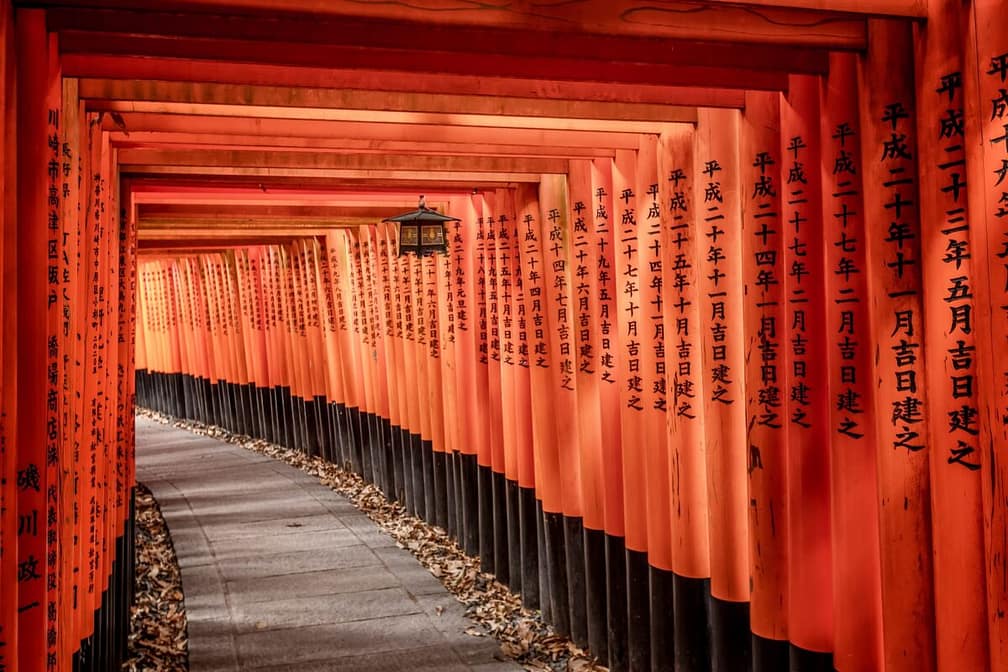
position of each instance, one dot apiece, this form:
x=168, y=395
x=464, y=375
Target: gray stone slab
x=294, y=646
x=329, y=582
x=416, y=578
x=260, y=562
x=321, y=609
x=430, y=659
x=280, y=572
x=323, y=541
x=276, y=526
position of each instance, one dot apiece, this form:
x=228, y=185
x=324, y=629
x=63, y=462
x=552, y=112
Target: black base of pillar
x=662, y=618
x=638, y=611
x=452, y=493
x=731, y=641
x=545, y=596
x=419, y=495
x=770, y=655
x=616, y=604
x=556, y=562
x=469, y=476
x=511, y=504
x=692, y=624
x=595, y=594
x=803, y=660
x=502, y=566
x=440, y=465
x=529, y=547
x=409, y=475
x=388, y=458
x=576, y=581
x=427, y=465
x=398, y=477
x=486, y=518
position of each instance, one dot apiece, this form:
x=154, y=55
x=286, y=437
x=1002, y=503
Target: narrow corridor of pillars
x=752, y=368
x=617, y=385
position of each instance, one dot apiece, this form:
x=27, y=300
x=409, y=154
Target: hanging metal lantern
x=422, y=231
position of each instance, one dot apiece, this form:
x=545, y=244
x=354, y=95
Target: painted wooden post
x=766, y=322
x=684, y=326
x=857, y=588
x=985, y=92
x=717, y=186
x=810, y=591
x=948, y=325
x=626, y=256
x=31, y=473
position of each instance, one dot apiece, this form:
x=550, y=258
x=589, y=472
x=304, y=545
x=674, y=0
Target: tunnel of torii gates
x=715, y=370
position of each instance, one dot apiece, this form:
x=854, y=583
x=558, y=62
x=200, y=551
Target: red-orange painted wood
x=586, y=357
x=559, y=321
x=857, y=588
x=31, y=478
x=885, y=80
x=548, y=478
x=986, y=113
x=627, y=349
x=603, y=228
x=650, y=339
x=766, y=334
x=8, y=344
x=948, y=327
x=810, y=574
x=717, y=186
x=684, y=327
x=490, y=315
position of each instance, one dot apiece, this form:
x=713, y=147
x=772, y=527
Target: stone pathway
x=281, y=573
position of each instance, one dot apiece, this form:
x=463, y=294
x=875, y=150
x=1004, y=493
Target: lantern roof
x=422, y=214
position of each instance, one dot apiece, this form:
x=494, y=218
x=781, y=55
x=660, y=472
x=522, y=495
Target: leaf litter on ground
x=158, y=637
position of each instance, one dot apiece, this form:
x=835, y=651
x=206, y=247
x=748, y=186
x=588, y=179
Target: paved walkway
x=281, y=573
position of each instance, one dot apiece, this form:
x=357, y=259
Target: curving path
x=281, y=573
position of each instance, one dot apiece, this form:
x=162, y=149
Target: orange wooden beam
x=158, y=140
x=305, y=160
x=423, y=131
x=390, y=34
x=227, y=71
x=316, y=176
x=371, y=101
x=432, y=61
x=686, y=20
x=265, y=212
x=674, y=115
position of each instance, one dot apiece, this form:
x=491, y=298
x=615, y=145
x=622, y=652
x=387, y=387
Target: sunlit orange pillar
x=857, y=588
x=892, y=226
x=810, y=593
x=556, y=240
x=687, y=388
x=985, y=103
x=766, y=337
x=718, y=201
x=949, y=323
x=651, y=339
x=603, y=229
x=627, y=321
x=586, y=358
x=548, y=479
